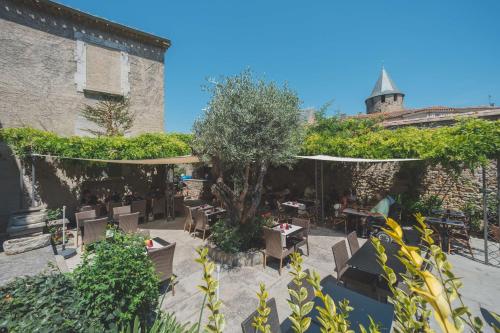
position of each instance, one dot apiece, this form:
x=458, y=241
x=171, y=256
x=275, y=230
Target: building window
x=382, y=98
x=395, y=97
x=103, y=70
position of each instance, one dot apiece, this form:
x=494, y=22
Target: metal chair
x=274, y=247
x=272, y=319
x=94, y=230
x=352, y=239
x=201, y=222
x=80, y=217
x=117, y=211
x=163, y=262
x=128, y=222
x=139, y=206
x=351, y=277
x=303, y=237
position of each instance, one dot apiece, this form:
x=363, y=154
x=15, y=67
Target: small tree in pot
x=247, y=126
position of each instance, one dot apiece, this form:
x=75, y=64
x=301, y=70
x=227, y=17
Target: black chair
x=273, y=319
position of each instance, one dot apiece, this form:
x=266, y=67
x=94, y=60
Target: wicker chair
x=302, y=238
x=201, y=222
x=274, y=247
x=305, y=284
x=352, y=239
x=117, y=211
x=158, y=207
x=188, y=222
x=110, y=207
x=94, y=230
x=459, y=235
x=80, y=217
x=139, y=206
x=272, y=319
x=351, y=277
x=163, y=261
x=128, y=222
x=86, y=207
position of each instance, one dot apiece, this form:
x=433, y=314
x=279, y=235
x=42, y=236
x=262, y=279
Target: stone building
x=385, y=96
x=54, y=60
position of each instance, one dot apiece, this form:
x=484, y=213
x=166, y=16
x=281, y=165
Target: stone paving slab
x=27, y=263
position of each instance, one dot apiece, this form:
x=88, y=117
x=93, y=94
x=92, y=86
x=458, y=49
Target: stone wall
x=375, y=104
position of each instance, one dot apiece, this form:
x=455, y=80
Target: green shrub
x=165, y=323
x=235, y=238
x=43, y=303
x=117, y=281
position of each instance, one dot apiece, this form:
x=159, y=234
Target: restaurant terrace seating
x=274, y=247
x=302, y=238
x=140, y=207
x=94, y=230
x=352, y=239
x=188, y=221
x=128, y=222
x=80, y=217
x=163, y=259
x=117, y=211
x=158, y=207
x=201, y=222
x=351, y=277
x=110, y=207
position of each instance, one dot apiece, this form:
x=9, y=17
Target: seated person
x=379, y=212
x=344, y=200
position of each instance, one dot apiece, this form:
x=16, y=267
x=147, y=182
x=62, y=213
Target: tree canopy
x=248, y=125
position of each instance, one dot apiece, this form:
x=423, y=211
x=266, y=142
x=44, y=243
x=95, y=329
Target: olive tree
x=248, y=125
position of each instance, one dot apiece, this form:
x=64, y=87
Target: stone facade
x=385, y=103
x=46, y=79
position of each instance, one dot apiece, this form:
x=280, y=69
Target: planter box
x=239, y=259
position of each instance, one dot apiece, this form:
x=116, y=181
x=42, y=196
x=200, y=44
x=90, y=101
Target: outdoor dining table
x=443, y=226
x=292, y=230
x=366, y=260
x=158, y=243
x=363, y=308
x=359, y=214
x=215, y=213
x=448, y=213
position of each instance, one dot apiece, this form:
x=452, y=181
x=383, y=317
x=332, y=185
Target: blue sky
x=437, y=52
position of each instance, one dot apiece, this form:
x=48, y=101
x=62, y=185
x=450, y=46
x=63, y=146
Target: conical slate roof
x=384, y=85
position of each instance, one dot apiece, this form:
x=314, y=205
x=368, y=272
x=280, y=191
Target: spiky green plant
x=298, y=296
x=263, y=311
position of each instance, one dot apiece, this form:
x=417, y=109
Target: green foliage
x=248, y=125
x=426, y=205
x=468, y=143
x=117, y=281
x=112, y=117
x=242, y=237
x=298, y=296
x=216, y=320
x=25, y=141
x=165, y=323
x=260, y=321
x=44, y=303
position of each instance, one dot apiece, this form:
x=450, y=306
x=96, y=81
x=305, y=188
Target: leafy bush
x=43, y=303
x=235, y=238
x=165, y=323
x=117, y=281
x=426, y=205
x=25, y=141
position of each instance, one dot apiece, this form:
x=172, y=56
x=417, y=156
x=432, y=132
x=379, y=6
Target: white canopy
x=154, y=161
x=354, y=159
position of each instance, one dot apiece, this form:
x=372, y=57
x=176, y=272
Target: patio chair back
x=200, y=219
x=340, y=256
x=110, y=207
x=128, y=222
x=117, y=211
x=139, y=206
x=84, y=215
x=188, y=222
x=163, y=259
x=273, y=319
x=305, y=284
x=86, y=207
x=159, y=206
x=94, y=230
x=352, y=239
x=304, y=223
x=273, y=242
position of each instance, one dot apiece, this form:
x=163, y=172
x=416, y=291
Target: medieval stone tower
x=385, y=96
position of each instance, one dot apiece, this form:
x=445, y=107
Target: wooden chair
x=200, y=222
x=272, y=319
x=158, y=207
x=352, y=239
x=188, y=222
x=128, y=222
x=94, y=230
x=351, y=277
x=117, y=211
x=80, y=217
x=303, y=237
x=163, y=262
x=139, y=206
x=274, y=247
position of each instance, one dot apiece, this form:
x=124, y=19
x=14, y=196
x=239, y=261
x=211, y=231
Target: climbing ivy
x=468, y=143
x=25, y=141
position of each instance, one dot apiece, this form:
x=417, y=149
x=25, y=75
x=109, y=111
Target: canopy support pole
x=33, y=187
x=322, y=195
x=498, y=191
x=316, y=202
x=485, y=216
